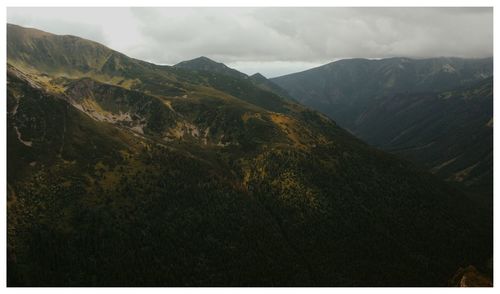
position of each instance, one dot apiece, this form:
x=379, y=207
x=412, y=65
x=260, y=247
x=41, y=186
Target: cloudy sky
x=273, y=41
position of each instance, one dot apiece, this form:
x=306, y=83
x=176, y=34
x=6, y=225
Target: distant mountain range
x=126, y=173
x=436, y=112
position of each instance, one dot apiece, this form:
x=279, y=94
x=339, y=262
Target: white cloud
x=277, y=39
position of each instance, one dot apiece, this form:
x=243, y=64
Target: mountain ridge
x=375, y=98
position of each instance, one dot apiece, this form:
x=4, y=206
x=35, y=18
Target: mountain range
x=435, y=112
x=126, y=173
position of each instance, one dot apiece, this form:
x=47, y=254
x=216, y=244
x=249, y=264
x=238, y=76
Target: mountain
x=206, y=66
x=450, y=133
x=436, y=112
x=345, y=88
x=266, y=84
x=126, y=173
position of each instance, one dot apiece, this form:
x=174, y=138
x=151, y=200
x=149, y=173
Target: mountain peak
x=205, y=59
x=18, y=28
x=29, y=47
x=198, y=62
x=258, y=77
x=204, y=63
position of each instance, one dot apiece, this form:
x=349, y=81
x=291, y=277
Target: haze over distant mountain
x=126, y=173
x=436, y=112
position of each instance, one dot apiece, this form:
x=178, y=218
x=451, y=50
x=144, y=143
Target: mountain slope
x=121, y=185
x=451, y=133
x=345, y=88
x=266, y=84
x=431, y=111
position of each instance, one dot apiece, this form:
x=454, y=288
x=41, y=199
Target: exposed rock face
x=470, y=277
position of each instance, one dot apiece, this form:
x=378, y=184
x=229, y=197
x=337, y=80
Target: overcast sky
x=273, y=41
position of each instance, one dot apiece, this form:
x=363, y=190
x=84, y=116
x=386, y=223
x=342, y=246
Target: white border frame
x=223, y=3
